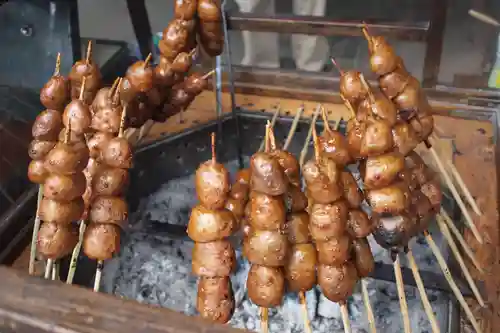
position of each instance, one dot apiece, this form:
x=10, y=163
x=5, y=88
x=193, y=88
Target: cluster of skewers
x=80, y=152
x=294, y=240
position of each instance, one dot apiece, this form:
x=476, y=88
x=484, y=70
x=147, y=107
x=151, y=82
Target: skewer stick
x=293, y=128
x=57, y=70
x=349, y=107
x=122, y=121
x=273, y=121
x=192, y=52
x=76, y=252
x=307, y=324
x=148, y=59
x=212, y=145
x=368, y=36
x=267, y=137
x=458, y=235
x=336, y=65
x=401, y=293
x=98, y=275
x=317, y=153
x=115, y=85
x=368, y=306
x=325, y=119
x=456, y=196
x=55, y=271
x=464, y=188
x=88, y=58
x=453, y=246
x=264, y=318
x=36, y=228
x=82, y=88
x=446, y=271
x=345, y=318
x=305, y=148
x=423, y=295
x=48, y=268
x=206, y=76
x=367, y=88
x=272, y=139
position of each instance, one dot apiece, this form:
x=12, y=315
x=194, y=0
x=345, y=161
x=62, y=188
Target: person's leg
x=261, y=48
x=310, y=52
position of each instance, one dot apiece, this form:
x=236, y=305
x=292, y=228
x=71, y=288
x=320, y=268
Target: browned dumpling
x=215, y=300
x=101, y=241
x=213, y=259
x=300, y=269
x=212, y=184
x=268, y=248
x=266, y=285
x=207, y=225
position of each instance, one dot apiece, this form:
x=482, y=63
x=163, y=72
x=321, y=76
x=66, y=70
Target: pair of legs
x=262, y=49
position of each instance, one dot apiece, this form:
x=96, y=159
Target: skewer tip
x=334, y=62
x=88, y=58
x=206, y=76
x=58, y=64
x=148, y=59
x=214, y=155
x=82, y=88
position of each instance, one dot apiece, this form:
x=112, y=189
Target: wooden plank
x=32, y=305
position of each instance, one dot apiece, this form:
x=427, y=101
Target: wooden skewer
x=148, y=59
x=88, y=58
x=453, y=246
x=192, y=52
x=368, y=306
x=293, y=128
x=458, y=235
x=206, y=76
x=423, y=295
x=264, y=318
x=305, y=148
x=98, y=275
x=82, y=88
x=57, y=70
x=325, y=119
x=115, y=86
x=349, y=107
x=76, y=252
x=446, y=271
x=267, y=136
x=367, y=35
x=345, y=318
x=48, y=268
x=336, y=65
x=273, y=121
x=464, y=188
x=55, y=271
x=401, y=293
x=367, y=88
x=307, y=324
x=36, y=228
x=456, y=195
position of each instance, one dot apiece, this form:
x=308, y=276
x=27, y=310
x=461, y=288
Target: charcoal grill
x=176, y=156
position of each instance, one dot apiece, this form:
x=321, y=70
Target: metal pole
x=234, y=111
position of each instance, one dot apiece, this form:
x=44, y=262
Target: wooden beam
x=32, y=305
x=319, y=26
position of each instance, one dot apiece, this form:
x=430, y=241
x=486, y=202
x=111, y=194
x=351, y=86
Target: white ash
x=156, y=269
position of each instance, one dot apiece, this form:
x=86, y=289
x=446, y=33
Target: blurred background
x=469, y=45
